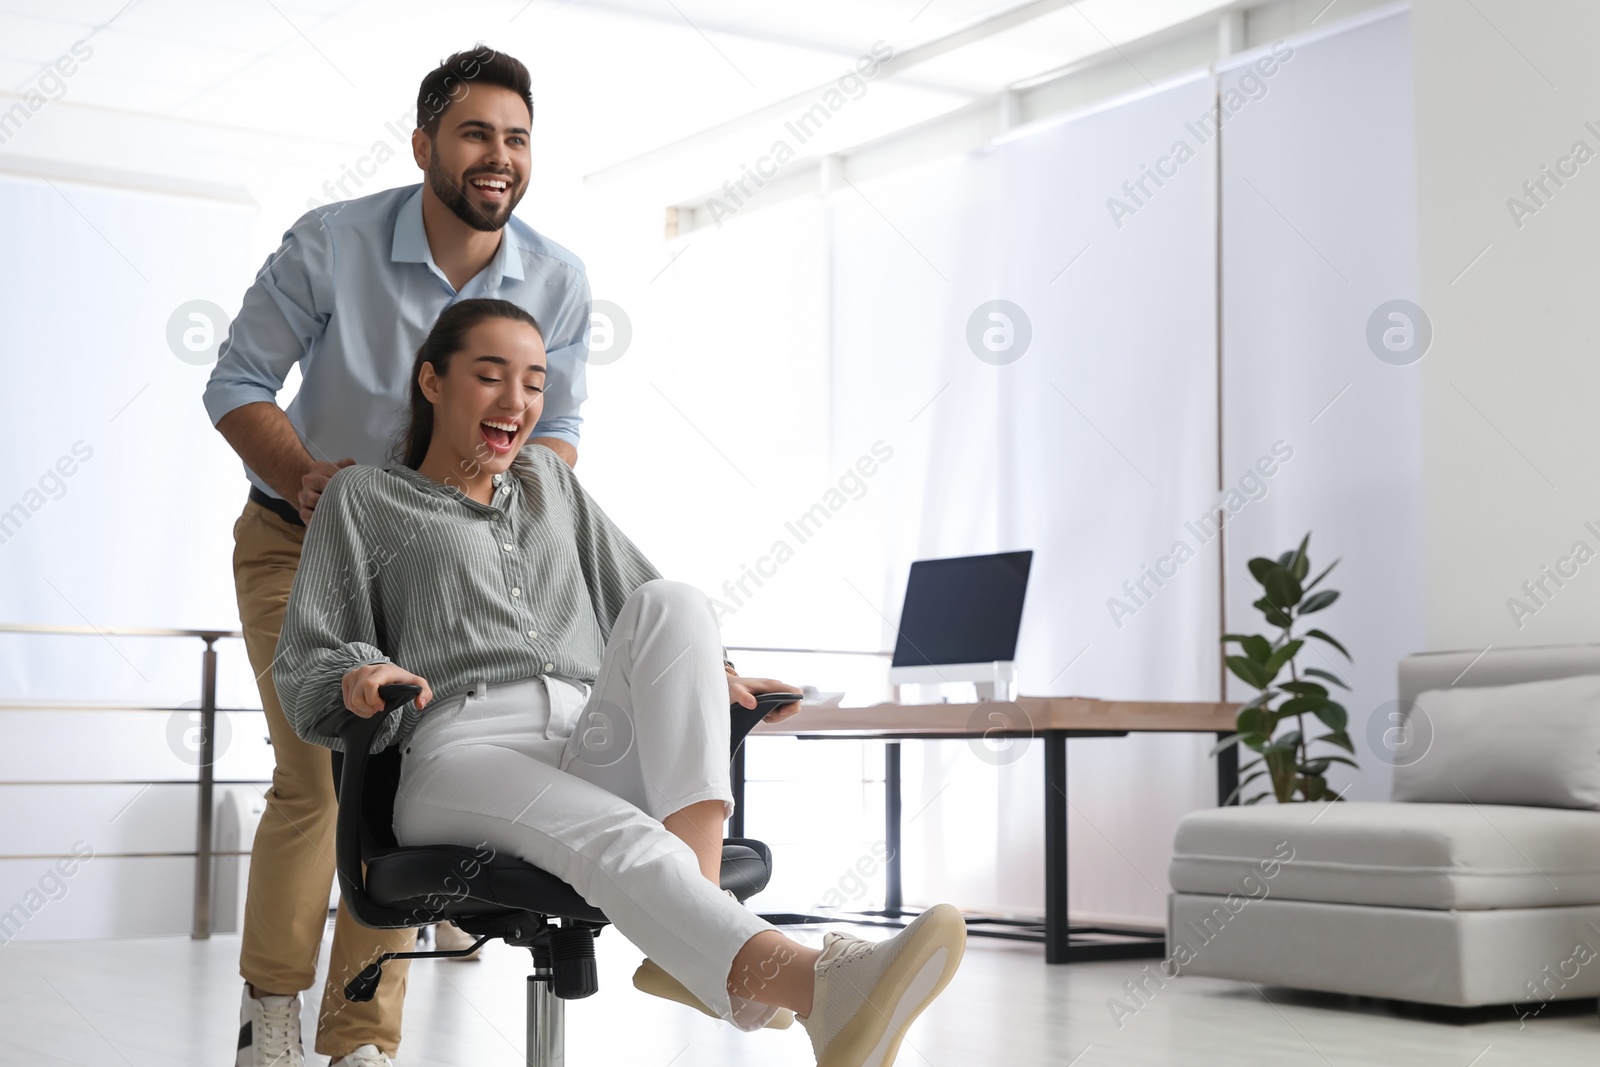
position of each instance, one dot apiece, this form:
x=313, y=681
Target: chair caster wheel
x=364, y=986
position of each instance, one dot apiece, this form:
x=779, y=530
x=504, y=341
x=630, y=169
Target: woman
x=581, y=718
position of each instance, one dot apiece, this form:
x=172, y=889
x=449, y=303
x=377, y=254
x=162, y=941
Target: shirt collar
x=411, y=245
x=505, y=489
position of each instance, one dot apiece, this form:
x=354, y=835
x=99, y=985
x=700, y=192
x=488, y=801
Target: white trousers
x=577, y=782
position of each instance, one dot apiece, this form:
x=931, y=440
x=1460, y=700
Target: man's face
x=478, y=160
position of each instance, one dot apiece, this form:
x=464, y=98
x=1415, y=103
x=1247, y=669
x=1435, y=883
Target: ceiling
x=615, y=81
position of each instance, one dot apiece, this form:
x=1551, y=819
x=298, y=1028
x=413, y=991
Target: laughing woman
x=484, y=573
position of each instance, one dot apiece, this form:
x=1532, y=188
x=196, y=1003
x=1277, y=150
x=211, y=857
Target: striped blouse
x=398, y=567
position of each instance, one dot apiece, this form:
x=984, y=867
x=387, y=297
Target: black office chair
x=486, y=894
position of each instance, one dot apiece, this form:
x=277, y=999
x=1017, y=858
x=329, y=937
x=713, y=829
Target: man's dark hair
x=456, y=76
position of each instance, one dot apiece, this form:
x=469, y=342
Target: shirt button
x=508, y=546
x=549, y=667
x=533, y=633
x=516, y=591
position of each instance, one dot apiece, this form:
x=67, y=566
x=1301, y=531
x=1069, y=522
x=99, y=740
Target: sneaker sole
x=925, y=966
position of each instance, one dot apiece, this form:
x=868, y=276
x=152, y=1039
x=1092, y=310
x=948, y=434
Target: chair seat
x=448, y=881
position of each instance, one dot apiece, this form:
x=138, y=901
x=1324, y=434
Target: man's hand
x=361, y=687
x=315, y=481
x=742, y=691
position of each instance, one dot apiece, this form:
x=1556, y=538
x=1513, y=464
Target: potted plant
x=1286, y=759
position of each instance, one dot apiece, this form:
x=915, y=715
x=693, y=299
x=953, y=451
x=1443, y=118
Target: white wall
x=1504, y=89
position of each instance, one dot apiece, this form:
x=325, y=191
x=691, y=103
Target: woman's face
x=485, y=407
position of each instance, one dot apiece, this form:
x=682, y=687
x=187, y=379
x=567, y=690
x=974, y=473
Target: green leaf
x=1301, y=705
x=1318, y=672
x=1320, y=636
x=1246, y=766
x=1250, y=721
x=1313, y=787
x=1258, y=798
x=1281, y=587
x=1333, y=716
x=1341, y=759
x=1340, y=738
x=1258, y=648
x=1288, y=744
x=1260, y=699
x=1321, y=576
x=1274, y=615
x=1226, y=743
x=1305, y=689
x=1240, y=788
x=1300, y=561
x=1315, y=766
x=1249, y=671
x=1259, y=568
x=1319, y=600
x=1282, y=656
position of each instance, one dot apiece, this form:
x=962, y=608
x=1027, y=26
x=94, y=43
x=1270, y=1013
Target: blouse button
x=516, y=591
x=549, y=667
x=508, y=546
x=533, y=633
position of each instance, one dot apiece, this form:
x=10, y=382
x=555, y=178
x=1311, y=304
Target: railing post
x=208, y=745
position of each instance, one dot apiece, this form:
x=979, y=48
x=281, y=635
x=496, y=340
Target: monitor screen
x=962, y=610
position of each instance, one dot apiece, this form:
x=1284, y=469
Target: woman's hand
x=742, y=691
x=361, y=687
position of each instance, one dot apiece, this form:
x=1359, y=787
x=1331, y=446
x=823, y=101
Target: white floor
x=144, y=1003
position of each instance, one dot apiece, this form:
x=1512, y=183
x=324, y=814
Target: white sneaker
x=448, y=937
x=868, y=994
x=269, y=1032
x=365, y=1056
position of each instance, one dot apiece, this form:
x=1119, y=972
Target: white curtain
x=127, y=499
x=1319, y=230
x=1092, y=448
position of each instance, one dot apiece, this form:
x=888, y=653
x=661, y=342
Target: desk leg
x=736, y=782
x=1227, y=770
x=1056, y=934
x=892, y=898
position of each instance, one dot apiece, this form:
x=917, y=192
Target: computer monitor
x=960, y=621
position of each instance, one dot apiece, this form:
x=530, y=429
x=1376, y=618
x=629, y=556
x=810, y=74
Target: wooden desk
x=1051, y=719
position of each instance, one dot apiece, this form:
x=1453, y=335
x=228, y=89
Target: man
x=349, y=297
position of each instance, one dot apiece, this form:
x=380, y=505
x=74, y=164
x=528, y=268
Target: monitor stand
x=994, y=681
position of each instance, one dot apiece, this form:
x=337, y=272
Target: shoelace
x=853, y=949
x=276, y=1038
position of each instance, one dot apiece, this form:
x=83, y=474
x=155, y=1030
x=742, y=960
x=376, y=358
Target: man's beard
x=454, y=197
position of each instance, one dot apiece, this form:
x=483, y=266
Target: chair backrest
x=1497, y=666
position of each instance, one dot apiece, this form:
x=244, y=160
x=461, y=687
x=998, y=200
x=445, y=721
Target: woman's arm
x=330, y=627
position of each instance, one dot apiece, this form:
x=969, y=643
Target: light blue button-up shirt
x=350, y=296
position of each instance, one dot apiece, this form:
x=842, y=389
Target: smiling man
x=349, y=296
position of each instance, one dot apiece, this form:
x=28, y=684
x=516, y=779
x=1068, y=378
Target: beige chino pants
x=291, y=864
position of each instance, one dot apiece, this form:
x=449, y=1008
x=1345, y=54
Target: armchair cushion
x=1532, y=743
x=1434, y=856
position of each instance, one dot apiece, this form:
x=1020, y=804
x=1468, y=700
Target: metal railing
x=204, y=853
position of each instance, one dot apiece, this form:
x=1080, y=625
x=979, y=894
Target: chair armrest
x=350, y=778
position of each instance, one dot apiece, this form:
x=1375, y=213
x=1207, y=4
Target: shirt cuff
x=222, y=397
